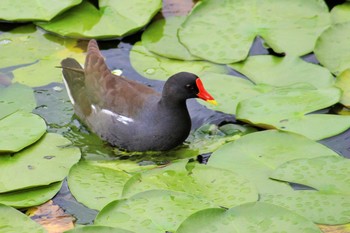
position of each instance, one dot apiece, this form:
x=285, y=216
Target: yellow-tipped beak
x=212, y=102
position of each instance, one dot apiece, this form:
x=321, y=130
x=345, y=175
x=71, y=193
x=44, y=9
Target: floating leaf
x=11, y=220
x=40, y=53
x=45, y=162
x=328, y=174
x=219, y=186
x=343, y=82
x=340, y=13
x=114, y=18
x=17, y=10
x=335, y=39
x=96, y=186
x=285, y=109
x=277, y=71
x=255, y=156
x=16, y=97
x=161, y=38
x=331, y=209
x=99, y=229
x=30, y=197
x=151, y=211
x=251, y=217
x=153, y=66
x=223, y=31
x=20, y=130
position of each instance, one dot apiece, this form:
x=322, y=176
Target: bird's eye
x=189, y=86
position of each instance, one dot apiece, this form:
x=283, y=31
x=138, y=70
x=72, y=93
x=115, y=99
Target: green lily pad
x=153, y=66
x=321, y=208
x=222, y=187
x=96, y=186
x=277, y=71
x=152, y=211
x=340, y=13
x=285, y=109
x=251, y=217
x=43, y=163
x=11, y=220
x=40, y=53
x=30, y=197
x=328, y=174
x=343, y=82
x=161, y=38
x=20, y=130
x=223, y=31
x=255, y=156
x=335, y=39
x=21, y=11
x=99, y=229
x=16, y=97
x=114, y=18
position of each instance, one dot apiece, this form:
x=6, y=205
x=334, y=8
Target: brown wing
x=111, y=91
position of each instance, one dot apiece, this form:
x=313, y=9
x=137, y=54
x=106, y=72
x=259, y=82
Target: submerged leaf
x=251, y=217
x=43, y=163
x=223, y=31
x=113, y=18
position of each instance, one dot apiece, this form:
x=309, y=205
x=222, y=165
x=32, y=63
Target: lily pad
x=21, y=11
x=153, y=66
x=223, y=31
x=152, y=211
x=161, y=38
x=340, y=13
x=222, y=187
x=277, y=71
x=96, y=186
x=11, y=220
x=335, y=39
x=99, y=229
x=113, y=18
x=343, y=82
x=30, y=197
x=251, y=217
x=45, y=162
x=16, y=97
x=20, y=130
x=328, y=174
x=321, y=208
x=285, y=109
x=255, y=156
x=40, y=53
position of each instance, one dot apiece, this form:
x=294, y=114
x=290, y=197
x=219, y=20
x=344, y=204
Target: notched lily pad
x=43, y=163
x=20, y=130
x=114, y=18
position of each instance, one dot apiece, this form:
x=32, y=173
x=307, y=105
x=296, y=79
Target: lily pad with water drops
x=255, y=156
x=161, y=38
x=154, y=66
x=99, y=229
x=277, y=71
x=20, y=130
x=12, y=220
x=151, y=211
x=30, y=197
x=96, y=186
x=223, y=31
x=112, y=18
x=321, y=208
x=23, y=11
x=329, y=174
x=336, y=39
x=250, y=217
x=223, y=187
x=45, y=162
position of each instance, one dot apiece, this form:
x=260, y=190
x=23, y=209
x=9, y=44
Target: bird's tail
x=73, y=76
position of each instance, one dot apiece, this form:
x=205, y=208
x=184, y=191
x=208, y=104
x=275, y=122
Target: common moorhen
x=126, y=113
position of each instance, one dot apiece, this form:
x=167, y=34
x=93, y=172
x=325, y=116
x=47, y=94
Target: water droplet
x=117, y=72
x=49, y=157
x=150, y=71
x=5, y=41
x=57, y=88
